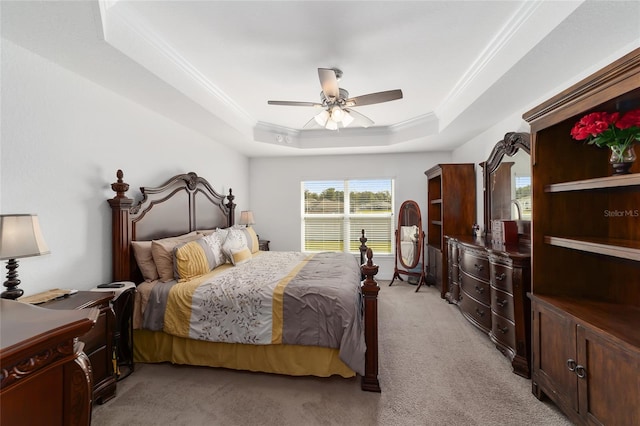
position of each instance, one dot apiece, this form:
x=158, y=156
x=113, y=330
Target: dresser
x=99, y=342
x=489, y=283
x=46, y=377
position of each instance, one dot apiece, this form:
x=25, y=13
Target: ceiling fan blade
x=294, y=103
x=359, y=119
x=329, y=82
x=374, y=98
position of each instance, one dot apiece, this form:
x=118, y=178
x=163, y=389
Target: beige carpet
x=435, y=369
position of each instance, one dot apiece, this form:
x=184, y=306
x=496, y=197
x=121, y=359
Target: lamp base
x=12, y=282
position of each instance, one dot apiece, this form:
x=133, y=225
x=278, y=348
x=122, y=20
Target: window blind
x=335, y=212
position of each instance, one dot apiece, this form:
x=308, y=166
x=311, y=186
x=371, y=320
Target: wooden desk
x=46, y=378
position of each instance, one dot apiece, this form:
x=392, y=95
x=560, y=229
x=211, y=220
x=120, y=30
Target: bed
x=184, y=314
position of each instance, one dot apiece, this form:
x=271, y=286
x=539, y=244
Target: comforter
x=276, y=298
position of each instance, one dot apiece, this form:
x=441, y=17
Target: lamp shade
x=246, y=217
x=20, y=236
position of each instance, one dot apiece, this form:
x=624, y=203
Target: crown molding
x=125, y=30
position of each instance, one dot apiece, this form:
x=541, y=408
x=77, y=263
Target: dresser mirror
x=507, y=184
x=409, y=244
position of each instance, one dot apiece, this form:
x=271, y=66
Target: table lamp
x=246, y=218
x=20, y=236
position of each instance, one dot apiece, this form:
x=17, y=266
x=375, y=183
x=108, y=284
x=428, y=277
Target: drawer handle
x=479, y=312
x=571, y=364
x=478, y=267
x=501, y=303
x=581, y=371
x=479, y=289
x=501, y=277
x=503, y=330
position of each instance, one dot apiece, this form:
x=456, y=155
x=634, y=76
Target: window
x=523, y=197
x=334, y=213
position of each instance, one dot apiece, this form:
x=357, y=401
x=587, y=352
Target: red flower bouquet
x=611, y=130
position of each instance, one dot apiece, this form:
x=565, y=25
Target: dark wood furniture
x=509, y=158
x=263, y=245
x=409, y=244
x=99, y=342
x=46, y=378
x=451, y=210
x=187, y=203
x=586, y=257
x=490, y=282
x=122, y=305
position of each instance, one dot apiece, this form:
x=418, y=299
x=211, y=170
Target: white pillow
x=215, y=242
x=235, y=242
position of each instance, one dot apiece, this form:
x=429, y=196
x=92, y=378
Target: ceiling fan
x=336, y=104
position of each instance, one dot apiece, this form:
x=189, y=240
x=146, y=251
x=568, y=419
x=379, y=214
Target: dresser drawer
x=475, y=265
x=502, y=303
x=479, y=290
x=502, y=277
x=503, y=331
x=476, y=312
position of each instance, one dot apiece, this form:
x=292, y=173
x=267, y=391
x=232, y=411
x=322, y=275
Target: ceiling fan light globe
x=337, y=114
x=322, y=118
x=347, y=119
x=331, y=125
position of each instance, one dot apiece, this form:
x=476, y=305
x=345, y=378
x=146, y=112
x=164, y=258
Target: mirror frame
x=419, y=255
x=420, y=243
x=509, y=146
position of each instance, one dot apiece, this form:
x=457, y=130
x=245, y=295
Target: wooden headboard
x=185, y=203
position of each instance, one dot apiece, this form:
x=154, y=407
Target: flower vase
x=622, y=159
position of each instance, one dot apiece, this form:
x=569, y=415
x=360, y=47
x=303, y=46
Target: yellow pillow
x=240, y=256
x=193, y=259
x=252, y=240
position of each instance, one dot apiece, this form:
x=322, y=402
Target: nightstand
x=263, y=245
x=98, y=342
x=122, y=304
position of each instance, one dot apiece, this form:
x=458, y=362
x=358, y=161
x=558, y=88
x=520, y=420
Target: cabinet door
x=610, y=389
x=554, y=344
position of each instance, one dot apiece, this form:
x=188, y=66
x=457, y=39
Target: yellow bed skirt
x=292, y=360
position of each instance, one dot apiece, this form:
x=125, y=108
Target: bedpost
x=370, y=289
x=232, y=208
x=363, y=249
x=120, y=230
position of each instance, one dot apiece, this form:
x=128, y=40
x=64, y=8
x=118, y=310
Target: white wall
x=478, y=149
x=275, y=189
x=63, y=138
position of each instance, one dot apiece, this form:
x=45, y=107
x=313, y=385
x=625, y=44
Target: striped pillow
x=193, y=259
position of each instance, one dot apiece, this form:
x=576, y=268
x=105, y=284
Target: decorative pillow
x=206, y=231
x=215, y=242
x=162, y=251
x=252, y=239
x=235, y=242
x=144, y=259
x=193, y=259
x=240, y=256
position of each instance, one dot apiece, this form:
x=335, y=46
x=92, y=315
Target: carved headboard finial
x=120, y=187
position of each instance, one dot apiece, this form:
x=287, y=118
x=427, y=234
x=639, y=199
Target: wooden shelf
x=624, y=249
x=620, y=321
x=632, y=179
